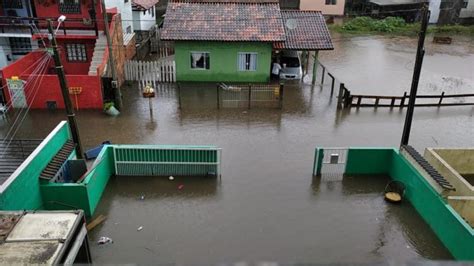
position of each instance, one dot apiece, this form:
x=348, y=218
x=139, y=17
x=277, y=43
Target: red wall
x=76, y=68
x=51, y=10
x=90, y=97
x=49, y=89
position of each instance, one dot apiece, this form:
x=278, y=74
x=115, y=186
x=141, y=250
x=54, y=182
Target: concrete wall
x=125, y=10
x=143, y=22
x=320, y=5
x=467, y=12
x=434, y=9
x=447, y=162
x=223, y=61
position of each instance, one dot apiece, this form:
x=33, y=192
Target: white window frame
x=245, y=53
x=76, y=52
x=199, y=68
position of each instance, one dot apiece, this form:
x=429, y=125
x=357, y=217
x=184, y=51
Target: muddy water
x=267, y=207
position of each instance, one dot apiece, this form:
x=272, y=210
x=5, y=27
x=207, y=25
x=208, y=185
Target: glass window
x=20, y=46
x=247, y=61
x=330, y=2
x=69, y=6
x=200, y=60
x=76, y=52
x=16, y=4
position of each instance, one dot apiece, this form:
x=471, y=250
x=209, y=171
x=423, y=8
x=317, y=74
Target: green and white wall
x=223, y=61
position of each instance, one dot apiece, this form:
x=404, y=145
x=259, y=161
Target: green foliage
x=396, y=25
x=368, y=24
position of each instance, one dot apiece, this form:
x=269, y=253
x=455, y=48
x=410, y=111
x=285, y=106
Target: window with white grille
x=76, y=52
x=69, y=6
x=247, y=61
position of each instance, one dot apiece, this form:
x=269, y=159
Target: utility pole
x=71, y=117
x=113, y=70
x=416, y=75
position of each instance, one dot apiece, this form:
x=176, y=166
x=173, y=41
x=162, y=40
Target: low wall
x=21, y=191
x=455, y=233
x=447, y=162
x=84, y=195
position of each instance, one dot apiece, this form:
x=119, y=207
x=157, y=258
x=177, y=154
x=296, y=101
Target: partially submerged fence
x=250, y=95
x=151, y=72
x=151, y=160
x=348, y=100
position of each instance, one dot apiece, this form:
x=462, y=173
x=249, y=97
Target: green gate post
x=318, y=161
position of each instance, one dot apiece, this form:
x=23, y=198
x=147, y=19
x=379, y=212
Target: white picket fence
x=150, y=72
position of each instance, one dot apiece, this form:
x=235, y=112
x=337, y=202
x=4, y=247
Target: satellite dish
x=291, y=24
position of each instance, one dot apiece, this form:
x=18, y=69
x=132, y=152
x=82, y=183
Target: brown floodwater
x=267, y=206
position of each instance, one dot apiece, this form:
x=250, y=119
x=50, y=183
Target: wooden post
x=315, y=67
x=377, y=101
x=322, y=78
x=402, y=103
x=339, y=97
x=218, y=98
x=392, y=103
x=150, y=104
x=281, y=95
x=332, y=83
x=250, y=96
x=347, y=98
x=179, y=96
x=359, y=100
x=441, y=99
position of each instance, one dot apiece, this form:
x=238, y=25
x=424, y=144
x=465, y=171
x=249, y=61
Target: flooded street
x=267, y=206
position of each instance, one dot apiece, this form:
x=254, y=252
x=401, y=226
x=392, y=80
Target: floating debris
x=103, y=240
x=142, y=197
x=140, y=228
x=180, y=186
x=171, y=178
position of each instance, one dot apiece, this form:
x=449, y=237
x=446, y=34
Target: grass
x=396, y=26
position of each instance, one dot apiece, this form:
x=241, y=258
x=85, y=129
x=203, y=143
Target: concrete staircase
x=99, y=51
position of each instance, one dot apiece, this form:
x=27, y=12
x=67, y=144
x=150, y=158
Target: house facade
x=327, y=7
x=144, y=17
x=234, y=43
x=15, y=35
x=32, y=82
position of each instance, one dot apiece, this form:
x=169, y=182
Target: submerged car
x=291, y=66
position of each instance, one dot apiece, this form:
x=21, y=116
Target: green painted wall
x=223, y=61
x=24, y=192
x=451, y=229
x=368, y=160
x=85, y=195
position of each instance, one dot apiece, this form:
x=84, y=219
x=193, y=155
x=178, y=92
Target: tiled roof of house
x=144, y=4
x=305, y=30
x=221, y=20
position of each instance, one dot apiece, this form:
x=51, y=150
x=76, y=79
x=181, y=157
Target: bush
x=389, y=24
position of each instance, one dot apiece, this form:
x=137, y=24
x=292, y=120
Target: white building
x=440, y=9
x=144, y=17
x=124, y=7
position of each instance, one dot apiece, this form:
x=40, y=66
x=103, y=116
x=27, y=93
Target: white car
x=291, y=66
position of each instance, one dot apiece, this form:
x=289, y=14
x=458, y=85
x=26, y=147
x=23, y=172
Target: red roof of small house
x=143, y=4
x=305, y=30
x=223, y=20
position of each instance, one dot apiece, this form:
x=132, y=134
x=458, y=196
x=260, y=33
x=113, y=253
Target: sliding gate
x=164, y=160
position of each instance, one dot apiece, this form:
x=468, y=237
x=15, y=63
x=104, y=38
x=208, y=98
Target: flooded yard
x=267, y=206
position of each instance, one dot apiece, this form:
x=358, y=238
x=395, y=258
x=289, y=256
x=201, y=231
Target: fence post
x=402, y=103
x=318, y=161
x=332, y=83
x=347, y=98
x=322, y=78
x=179, y=96
x=250, y=95
x=377, y=102
x=281, y=95
x=315, y=67
x=218, y=98
x=441, y=99
x=339, y=97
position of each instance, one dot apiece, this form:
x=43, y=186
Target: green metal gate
x=163, y=160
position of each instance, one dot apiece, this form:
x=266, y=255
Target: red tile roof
x=144, y=4
x=305, y=30
x=220, y=20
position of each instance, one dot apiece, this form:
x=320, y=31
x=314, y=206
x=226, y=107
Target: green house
x=233, y=41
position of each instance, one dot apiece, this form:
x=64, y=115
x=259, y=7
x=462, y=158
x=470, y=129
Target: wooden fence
x=248, y=96
x=150, y=72
x=348, y=100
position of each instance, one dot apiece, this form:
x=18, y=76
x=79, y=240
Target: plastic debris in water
x=171, y=177
x=140, y=228
x=142, y=197
x=105, y=240
x=181, y=186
